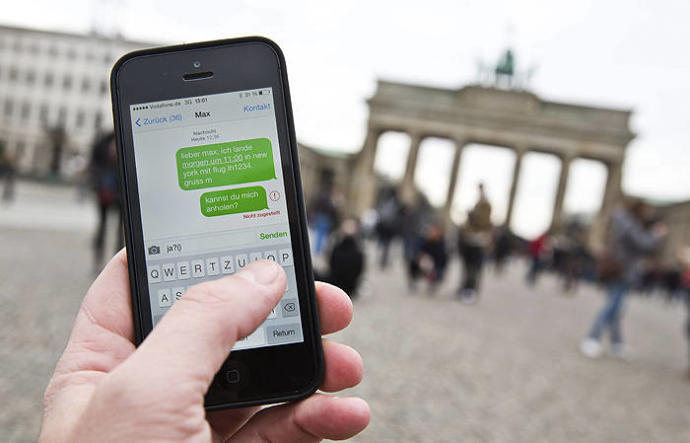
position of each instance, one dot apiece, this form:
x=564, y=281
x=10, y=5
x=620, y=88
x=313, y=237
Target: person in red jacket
x=537, y=249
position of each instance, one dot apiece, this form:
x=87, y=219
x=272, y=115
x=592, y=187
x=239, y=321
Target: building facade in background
x=676, y=216
x=55, y=97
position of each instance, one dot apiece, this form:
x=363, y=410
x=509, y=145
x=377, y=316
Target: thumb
x=194, y=338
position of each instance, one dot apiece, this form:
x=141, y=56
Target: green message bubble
x=223, y=164
x=233, y=201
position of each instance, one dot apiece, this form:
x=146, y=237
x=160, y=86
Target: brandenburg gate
x=514, y=119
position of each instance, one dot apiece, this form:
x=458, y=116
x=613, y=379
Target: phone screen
x=212, y=199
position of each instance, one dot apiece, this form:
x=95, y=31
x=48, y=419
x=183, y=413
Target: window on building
x=19, y=149
x=85, y=85
x=67, y=83
x=71, y=54
x=98, y=121
x=49, y=79
x=26, y=111
x=53, y=51
x=62, y=116
x=14, y=73
x=81, y=117
x=18, y=46
x=103, y=89
x=9, y=107
x=30, y=77
x=34, y=49
x=107, y=58
x=43, y=113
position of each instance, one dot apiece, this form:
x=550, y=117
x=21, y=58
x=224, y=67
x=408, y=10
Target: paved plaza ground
x=504, y=370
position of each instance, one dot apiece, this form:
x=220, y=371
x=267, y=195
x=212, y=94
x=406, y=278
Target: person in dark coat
x=8, y=172
x=346, y=261
x=503, y=247
x=323, y=216
x=431, y=258
x=473, y=240
x=105, y=183
x=388, y=224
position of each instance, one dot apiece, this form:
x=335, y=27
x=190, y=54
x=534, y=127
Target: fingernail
x=262, y=272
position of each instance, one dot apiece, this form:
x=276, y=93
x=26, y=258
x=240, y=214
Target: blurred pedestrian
x=7, y=172
x=684, y=259
x=473, y=240
x=430, y=259
x=105, y=183
x=388, y=224
x=538, y=250
x=412, y=221
x=632, y=240
x=575, y=255
x=323, y=216
x=346, y=261
x=503, y=247
x=686, y=290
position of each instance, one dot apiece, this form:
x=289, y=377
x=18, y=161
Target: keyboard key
x=154, y=274
x=227, y=264
x=271, y=255
x=256, y=338
x=242, y=260
x=288, y=308
x=183, y=270
x=283, y=333
x=168, y=271
x=164, y=299
x=254, y=256
x=286, y=257
x=273, y=314
x=212, y=266
x=177, y=293
x=198, y=268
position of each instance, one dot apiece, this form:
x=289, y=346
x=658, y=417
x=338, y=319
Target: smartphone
x=210, y=182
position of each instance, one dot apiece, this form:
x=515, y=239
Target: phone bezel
x=156, y=74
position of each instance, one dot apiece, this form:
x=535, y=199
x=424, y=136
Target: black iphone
x=210, y=181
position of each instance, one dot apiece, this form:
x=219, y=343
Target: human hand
x=105, y=389
x=659, y=230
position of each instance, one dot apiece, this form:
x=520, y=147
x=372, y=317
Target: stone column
x=407, y=187
x=519, y=153
x=557, y=216
x=363, y=187
x=612, y=195
x=612, y=192
x=452, y=183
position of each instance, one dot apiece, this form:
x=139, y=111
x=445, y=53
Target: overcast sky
x=625, y=54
